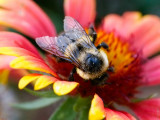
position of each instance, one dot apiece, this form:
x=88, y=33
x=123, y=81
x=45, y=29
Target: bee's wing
x=51, y=45
x=60, y=46
x=71, y=25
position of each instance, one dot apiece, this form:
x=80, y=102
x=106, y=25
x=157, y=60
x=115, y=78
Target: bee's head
x=92, y=63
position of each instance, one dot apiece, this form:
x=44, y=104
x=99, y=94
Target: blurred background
x=54, y=9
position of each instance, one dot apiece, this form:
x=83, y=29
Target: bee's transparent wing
x=71, y=25
x=51, y=45
x=60, y=46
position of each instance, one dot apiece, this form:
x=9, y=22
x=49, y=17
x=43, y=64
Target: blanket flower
x=133, y=39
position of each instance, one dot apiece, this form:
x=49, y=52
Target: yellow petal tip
x=97, y=111
x=24, y=81
x=43, y=82
x=64, y=87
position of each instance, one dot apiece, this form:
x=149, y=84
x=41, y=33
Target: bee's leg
x=101, y=81
x=92, y=33
x=104, y=45
x=104, y=79
x=71, y=77
x=110, y=69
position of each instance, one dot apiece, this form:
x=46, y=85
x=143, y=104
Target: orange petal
x=86, y=15
x=117, y=115
x=24, y=81
x=31, y=63
x=64, y=87
x=96, y=111
x=44, y=81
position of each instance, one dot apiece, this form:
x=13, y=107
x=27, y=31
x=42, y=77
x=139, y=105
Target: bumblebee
x=74, y=45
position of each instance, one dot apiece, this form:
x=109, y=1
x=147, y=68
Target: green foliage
x=72, y=109
x=65, y=111
x=82, y=106
x=82, y=103
x=84, y=114
x=36, y=104
x=41, y=93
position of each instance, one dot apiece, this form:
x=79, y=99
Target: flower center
x=122, y=83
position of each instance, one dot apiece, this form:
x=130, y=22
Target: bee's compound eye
x=93, y=63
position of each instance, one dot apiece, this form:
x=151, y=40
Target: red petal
x=5, y=60
x=26, y=17
x=151, y=72
x=16, y=74
x=152, y=47
x=84, y=11
x=148, y=109
x=29, y=57
x=32, y=63
x=121, y=26
x=10, y=39
x=141, y=32
x=117, y=115
x=40, y=16
x=147, y=35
